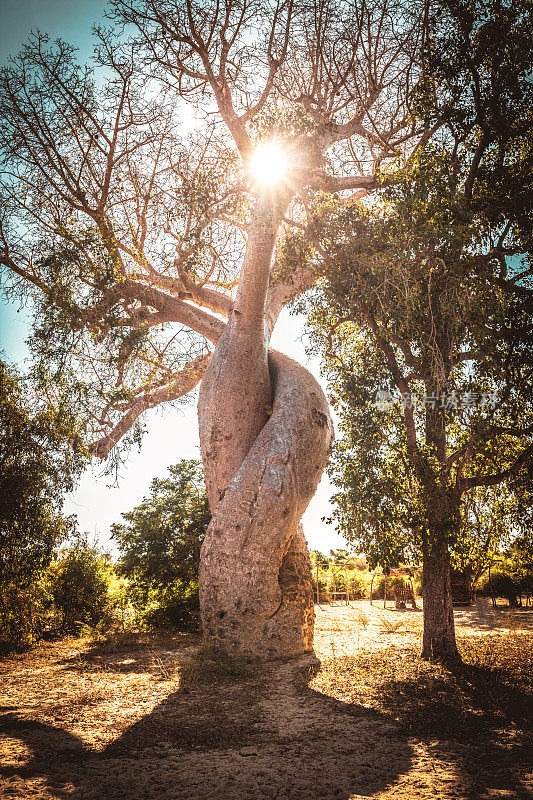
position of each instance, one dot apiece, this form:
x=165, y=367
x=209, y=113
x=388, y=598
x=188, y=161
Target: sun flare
x=268, y=164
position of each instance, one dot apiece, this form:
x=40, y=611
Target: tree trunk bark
x=265, y=434
x=236, y=393
x=256, y=595
x=438, y=642
x=441, y=507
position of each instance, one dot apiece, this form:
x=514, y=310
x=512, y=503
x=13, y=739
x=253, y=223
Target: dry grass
x=492, y=691
x=392, y=625
x=133, y=641
x=208, y=668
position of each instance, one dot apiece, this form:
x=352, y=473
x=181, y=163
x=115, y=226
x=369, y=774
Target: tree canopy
x=426, y=304
x=424, y=311
x=127, y=194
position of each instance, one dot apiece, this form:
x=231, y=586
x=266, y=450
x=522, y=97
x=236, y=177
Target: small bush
x=80, y=587
x=417, y=583
x=323, y=584
x=505, y=586
x=378, y=590
x=361, y=619
x=393, y=582
x=338, y=580
x=391, y=626
x=513, y=587
x=177, y=606
x=356, y=587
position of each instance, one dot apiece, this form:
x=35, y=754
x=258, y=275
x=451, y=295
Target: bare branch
x=182, y=384
x=173, y=308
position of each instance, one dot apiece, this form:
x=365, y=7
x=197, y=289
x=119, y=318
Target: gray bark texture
x=255, y=575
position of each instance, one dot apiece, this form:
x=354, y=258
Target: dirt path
x=135, y=721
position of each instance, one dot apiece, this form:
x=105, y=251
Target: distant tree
x=339, y=555
x=318, y=558
x=160, y=542
x=424, y=313
x=511, y=577
x=40, y=457
x=514, y=573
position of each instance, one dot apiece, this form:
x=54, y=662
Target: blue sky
x=69, y=19
x=172, y=434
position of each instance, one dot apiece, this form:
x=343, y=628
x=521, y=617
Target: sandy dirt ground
x=102, y=721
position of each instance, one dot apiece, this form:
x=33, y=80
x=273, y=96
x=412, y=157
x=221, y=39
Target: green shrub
x=505, y=586
x=378, y=590
x=504, y=583
x=40, y=457
x=357, y=585
x=337, y=581
x=177, y=606
x=323, y=584
x=80, y=587
x=25, y=611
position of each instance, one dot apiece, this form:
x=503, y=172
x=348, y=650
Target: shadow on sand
x=479, y=724
x=267, y=734
x=269, y=737
x=482, y=617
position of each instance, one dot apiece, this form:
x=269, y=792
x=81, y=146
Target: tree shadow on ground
x=258, y=738
x=483, y=616
x=477, y=721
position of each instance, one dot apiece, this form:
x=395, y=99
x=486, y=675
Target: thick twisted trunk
x=265, y=434
x=255, y=577
x=236, y=394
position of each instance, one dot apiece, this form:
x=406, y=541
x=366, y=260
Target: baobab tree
x=157, y=254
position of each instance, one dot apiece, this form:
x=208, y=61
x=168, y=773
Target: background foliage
x=40, y=458
x=160, y=546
